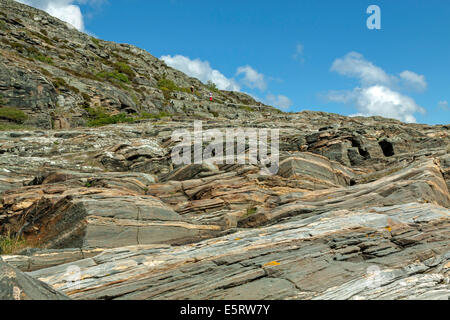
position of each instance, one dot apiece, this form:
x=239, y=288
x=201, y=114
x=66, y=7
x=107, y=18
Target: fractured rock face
x=359, y=208
x=16, y=285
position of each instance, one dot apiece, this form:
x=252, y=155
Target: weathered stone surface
x=329, y=255
x=15, y=285
x=359, y=208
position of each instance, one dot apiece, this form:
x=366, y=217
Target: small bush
x=59, y=82
x=13, y=114
x=10, y=245
x=111, y=76
x=122, y=67
x=167, y=84
x=100, y=118
x=250, y=211
x=212, y=86
x=43, y=58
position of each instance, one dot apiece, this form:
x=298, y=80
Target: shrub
x=59, y=82
x=111, y=76
x=10, y=245
x=167, y=84
x=13, y=114
x=212, y=86
x=43, y=58
x=250, y=211
x=122, y=67
x=100, y=118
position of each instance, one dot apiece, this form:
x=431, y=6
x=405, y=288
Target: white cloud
x=65, y=10
x=443, y=105
x=201, y=70
x=414, y=80
x=252, y=78
x=279, y=101
x=376, y=95
x=382, y=101
x=354, y=65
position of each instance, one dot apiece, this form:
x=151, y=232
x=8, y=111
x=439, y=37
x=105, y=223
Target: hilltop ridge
x=60, y=77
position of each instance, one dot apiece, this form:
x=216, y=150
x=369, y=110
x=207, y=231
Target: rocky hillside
x=359, y=208
x=52, y=76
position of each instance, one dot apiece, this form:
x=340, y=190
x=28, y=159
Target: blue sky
x=298, y=55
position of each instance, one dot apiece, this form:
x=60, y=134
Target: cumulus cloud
x=279, y=101
x=201, y=70
x=376, y=94
x=354, y=65
x=414, y=80
x=382, y=101
x=252, y=78
x=246, y=77
x=65, y=10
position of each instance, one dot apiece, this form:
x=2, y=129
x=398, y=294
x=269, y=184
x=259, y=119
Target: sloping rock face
x=358, y=208
x=15, y=285
x=57, y=77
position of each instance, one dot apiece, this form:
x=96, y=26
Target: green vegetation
x=113, y=76
x=43, y=58
x=160, y=115
x=61, y=83
x=96, y=41
x=14, y=127
x=167, y=86
x=250, y=211
x=98, y=118
x=10, y=245
x=13, y=114
x=247, y=108
x=122, y=67
x=212, y=86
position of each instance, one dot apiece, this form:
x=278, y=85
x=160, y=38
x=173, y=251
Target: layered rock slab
x=300, y=258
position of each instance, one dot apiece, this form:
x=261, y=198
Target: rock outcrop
x=358, y=208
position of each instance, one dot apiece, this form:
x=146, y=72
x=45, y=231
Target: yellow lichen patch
x=388, y=228
x=237, y=239
x=272, y=264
